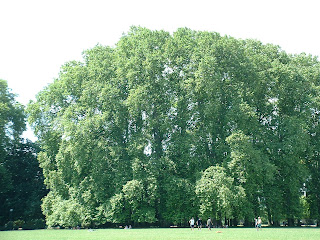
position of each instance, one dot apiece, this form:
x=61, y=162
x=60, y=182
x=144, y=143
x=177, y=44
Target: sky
x=38, y=36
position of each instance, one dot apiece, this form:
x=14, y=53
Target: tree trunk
x=234, y=222
x=248, y=223
x=290, y=222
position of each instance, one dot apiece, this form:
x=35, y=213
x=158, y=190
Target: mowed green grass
x=165, y=233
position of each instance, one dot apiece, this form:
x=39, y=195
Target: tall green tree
x=12, y=118
x=12, y=124
x=129, y=132
x=21, y=179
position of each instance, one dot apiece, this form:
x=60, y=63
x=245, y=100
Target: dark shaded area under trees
x=163, y=127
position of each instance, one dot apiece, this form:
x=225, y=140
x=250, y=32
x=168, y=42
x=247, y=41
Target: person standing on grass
x=209, y=223
x=259, y=222
x=192, y=223
x=199, y=223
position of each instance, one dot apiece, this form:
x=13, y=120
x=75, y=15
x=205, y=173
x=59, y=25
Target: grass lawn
x=165, y=233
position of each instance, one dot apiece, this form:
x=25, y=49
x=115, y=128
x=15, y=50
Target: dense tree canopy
x=12, y=118
x=12, y=124
x=21, y=179
x=163, y=127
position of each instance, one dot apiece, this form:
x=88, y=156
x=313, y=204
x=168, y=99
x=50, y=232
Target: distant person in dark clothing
x=199, y=223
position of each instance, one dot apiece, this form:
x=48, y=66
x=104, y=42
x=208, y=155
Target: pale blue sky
x=38, y=36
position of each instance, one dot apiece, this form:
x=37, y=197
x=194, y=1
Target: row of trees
x=163, y=127
x=21, y=179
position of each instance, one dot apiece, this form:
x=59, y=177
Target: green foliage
x=251, y=170
x=24, y=197
x=21, y=179
x=132, y=132
x=12, y=118
x=135, y=203
x=62, y=212
x=217, y=194
x=180, y=197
